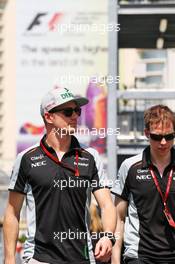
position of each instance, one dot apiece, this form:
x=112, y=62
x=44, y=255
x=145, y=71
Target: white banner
x=57, y=41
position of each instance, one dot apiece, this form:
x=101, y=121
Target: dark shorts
x=145, y=261
x=131, y=261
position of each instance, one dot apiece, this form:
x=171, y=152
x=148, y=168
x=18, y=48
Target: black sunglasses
x=68, y=111
x=159, y=137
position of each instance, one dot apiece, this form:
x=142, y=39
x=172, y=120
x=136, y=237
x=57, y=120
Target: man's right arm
x=121, y=209
x=11, y=225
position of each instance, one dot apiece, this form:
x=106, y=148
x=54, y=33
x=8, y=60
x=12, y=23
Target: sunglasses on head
x=68, y=111
x=158, y=137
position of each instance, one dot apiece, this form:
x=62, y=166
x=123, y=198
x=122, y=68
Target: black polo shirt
x=57, y=201
x=147, y=232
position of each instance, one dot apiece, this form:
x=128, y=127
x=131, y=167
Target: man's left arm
x=103, y=247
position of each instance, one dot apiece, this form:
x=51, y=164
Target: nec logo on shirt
x=39, y=164
x=146, y=177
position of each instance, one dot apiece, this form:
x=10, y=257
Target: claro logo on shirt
x=38, y=164
x=37, y=157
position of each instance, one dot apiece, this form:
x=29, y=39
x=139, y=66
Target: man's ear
x=146, y=132
x=48, y=117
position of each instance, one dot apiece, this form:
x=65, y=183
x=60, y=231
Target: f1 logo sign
x=36, y=21
x=41, y=18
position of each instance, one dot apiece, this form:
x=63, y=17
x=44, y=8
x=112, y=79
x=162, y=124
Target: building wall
x=8, y=87
x=171, y=76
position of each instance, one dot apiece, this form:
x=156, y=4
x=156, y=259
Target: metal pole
x=112, y=102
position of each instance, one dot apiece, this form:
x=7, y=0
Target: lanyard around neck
x=165, y=197
x=62, y=164
x=170, y=176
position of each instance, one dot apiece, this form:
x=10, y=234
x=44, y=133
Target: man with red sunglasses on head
x=56, y=177
x=145, y=195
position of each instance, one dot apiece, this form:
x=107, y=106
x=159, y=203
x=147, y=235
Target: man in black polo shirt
x=145, y=193
x=56, y=177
